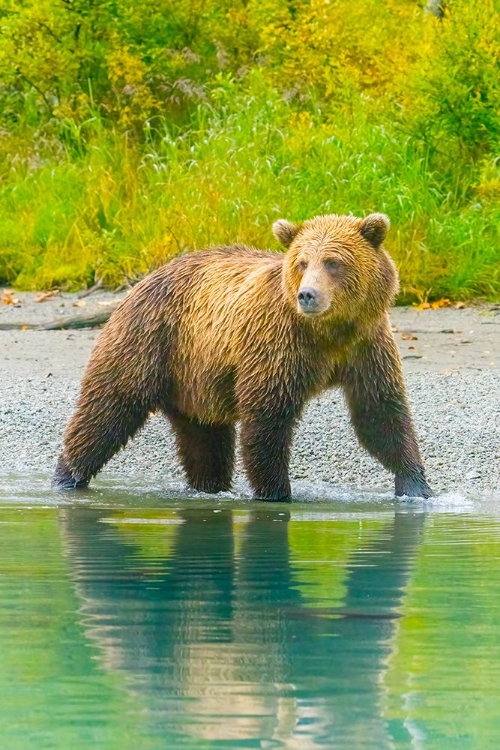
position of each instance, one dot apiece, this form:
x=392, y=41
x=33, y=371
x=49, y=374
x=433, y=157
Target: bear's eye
x=302, y=265
x=332, y=265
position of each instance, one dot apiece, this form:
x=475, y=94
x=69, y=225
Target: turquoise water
x=148, y=620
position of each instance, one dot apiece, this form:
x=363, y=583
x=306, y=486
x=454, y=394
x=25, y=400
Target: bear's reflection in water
x=206, y=619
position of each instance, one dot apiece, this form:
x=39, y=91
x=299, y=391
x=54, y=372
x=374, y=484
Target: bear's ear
x=374, y=228
x=285, y=231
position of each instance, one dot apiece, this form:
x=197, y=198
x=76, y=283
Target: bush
x=132, y=133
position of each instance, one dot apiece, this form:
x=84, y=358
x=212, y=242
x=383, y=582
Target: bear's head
x=335, y=266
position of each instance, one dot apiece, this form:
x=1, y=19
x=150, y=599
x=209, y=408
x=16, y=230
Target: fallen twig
x=59, y=324
x=80, y=321
x=91, y=290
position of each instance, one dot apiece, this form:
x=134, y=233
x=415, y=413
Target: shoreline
x=451, y=362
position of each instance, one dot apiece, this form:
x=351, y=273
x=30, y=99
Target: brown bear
x=238, y=334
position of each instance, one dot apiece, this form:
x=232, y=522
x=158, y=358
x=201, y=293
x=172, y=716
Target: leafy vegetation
x=131, y=132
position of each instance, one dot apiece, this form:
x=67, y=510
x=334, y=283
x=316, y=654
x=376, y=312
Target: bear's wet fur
x=238, y=334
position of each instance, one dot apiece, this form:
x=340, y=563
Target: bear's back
x=236, y=257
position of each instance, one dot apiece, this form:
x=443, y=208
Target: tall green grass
x=106, y=205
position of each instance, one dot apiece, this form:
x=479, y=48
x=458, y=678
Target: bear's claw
x=412, y=485
x=64, y=479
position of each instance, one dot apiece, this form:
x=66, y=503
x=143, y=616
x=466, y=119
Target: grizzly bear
x=238, y=334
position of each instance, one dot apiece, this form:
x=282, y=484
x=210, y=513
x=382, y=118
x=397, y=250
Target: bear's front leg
x=265, y=446
x=375, y=393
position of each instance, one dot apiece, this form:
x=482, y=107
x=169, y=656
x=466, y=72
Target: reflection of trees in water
x=222, y=643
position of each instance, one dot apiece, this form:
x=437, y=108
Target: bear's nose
x=307, y=297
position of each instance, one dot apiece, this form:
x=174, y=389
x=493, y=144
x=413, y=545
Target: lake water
x=146, y=620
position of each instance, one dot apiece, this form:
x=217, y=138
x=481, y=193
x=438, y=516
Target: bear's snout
x=307, y=296
x=309, y=300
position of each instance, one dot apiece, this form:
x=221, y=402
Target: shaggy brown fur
x=234, y=334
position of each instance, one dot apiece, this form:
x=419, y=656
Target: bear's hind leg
x=206, y=452
x=99, y=428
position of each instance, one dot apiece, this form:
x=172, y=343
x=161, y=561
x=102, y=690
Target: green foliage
x=456, y=87
x=131, y=132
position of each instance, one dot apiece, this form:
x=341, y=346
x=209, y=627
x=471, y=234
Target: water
x=148, y=620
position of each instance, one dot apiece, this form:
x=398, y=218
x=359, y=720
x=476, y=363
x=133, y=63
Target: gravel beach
x=451, y=360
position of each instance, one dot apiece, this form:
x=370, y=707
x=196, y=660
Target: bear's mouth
x=312, y=313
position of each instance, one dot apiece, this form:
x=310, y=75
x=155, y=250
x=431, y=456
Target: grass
x=108, y=205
